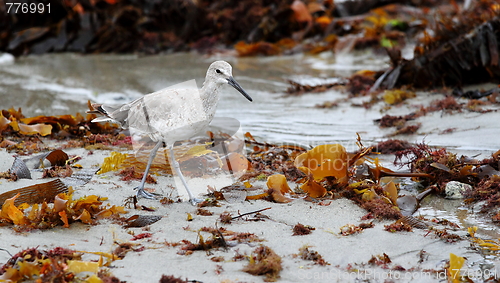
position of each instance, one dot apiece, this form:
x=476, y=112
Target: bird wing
x=165, y=111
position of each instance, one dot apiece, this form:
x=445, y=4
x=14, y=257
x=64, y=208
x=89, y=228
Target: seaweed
x=398, y=227
x=264, y=261
x=306, y=254
x=172, y=279
x=487, y=191
x=301, y=229
x=13, y=122
x=250, y=27
x=219, y=239
x=380, y=208
x=380, y=260
x=392, y=146
x=350, y=229
x=56, y=265
x=64, y=212
x=464, y=50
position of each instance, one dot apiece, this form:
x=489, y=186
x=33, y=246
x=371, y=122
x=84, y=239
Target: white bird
x=171, y=115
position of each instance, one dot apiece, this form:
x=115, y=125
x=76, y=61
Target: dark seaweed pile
x=154, y=26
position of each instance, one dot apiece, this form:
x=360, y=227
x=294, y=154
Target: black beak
x=237, y=86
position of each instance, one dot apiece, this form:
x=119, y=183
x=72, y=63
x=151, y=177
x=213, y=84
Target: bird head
x=221, y=72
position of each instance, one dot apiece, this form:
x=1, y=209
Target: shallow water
x=55, y=84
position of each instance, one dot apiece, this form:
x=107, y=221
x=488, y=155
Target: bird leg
x=140, y=189
x=177, y=168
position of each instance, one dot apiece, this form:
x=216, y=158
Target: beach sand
x=411, y=253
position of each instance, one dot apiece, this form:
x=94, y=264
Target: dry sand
x=347, y=255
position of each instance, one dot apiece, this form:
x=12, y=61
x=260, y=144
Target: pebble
x=455, y=190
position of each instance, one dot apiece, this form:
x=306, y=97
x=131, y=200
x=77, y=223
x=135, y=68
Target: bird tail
x=109, y=113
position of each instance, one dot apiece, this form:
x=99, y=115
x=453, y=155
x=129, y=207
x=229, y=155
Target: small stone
x=455, y=190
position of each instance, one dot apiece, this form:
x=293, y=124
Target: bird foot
x=195, y=201
x=141, y=193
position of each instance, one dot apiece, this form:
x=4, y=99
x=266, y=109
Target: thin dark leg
x=140, y=189
x=177, y=168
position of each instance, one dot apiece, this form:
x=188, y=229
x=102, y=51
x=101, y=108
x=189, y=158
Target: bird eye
x=218, y=71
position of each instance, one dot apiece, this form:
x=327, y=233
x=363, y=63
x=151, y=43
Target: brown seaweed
x=301, y=229
x=56, y=265
x=264, y=261
x=13, y=121
x=462, y=53
x=253, y=27
x=306, y=254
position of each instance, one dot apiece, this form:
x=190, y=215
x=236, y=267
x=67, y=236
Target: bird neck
x=210, y=96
